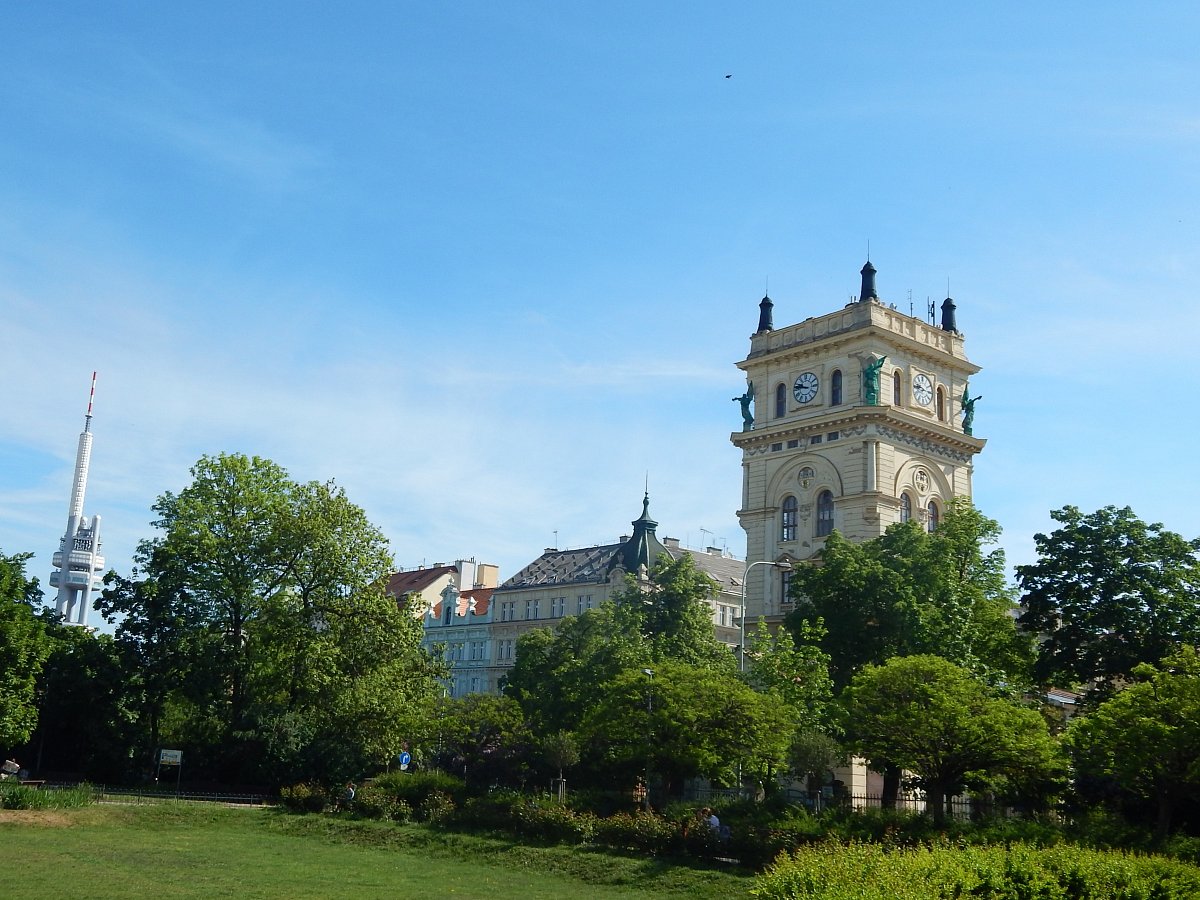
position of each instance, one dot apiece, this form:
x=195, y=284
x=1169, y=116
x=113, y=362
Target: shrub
x=372, y=803
x=549, y=820
x=643, y=831
x=872, y=872
x=414, y=788
x=304, y=798
x=435, y=808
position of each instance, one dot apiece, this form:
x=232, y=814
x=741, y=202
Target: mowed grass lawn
x=191, y=850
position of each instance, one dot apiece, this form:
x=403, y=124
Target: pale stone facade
x=820, y=456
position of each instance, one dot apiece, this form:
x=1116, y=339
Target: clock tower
x=859, y=422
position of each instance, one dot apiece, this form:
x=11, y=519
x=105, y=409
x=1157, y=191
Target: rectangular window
x=558, y=607
x=776, y=447
x=832, y=436
x=508, y=610
x=786, y=586
x=792, y=445
x=583, y=603
x=532, y=608
x=815, y=439
x=474, y=684
x=476, y=650
x=504, y=649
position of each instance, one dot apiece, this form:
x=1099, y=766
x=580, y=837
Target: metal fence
x=109, y=794
x=961, y=809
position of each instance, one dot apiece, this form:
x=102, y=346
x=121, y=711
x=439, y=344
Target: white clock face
x=923, y=390
x=805, y=387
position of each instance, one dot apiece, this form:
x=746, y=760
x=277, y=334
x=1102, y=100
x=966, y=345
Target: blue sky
x=489, y=265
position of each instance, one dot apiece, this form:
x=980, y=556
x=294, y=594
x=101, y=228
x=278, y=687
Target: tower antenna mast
x=79, y=567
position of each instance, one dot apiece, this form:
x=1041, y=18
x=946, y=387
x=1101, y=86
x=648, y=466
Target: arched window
x=447, y=611
x=789, y=518
x=905, y=508
x=780, y=400
x=941, y=404
x=896, y=388
x=835, y=388
x=824, y=513
x=932, y=521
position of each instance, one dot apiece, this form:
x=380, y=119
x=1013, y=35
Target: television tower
x=79, y=567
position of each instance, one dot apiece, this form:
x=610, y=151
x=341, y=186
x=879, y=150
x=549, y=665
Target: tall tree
x=1109, y=592
x=86, y=711
x=23, y=649
x=933, y=718
x=797, y=672
x=672, y=613
x=558, y=675
x=911, y=592
x=681, y=720
x=1143, y=744
x=260, y=617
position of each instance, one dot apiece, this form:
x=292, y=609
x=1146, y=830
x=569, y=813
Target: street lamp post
x=649, y=673
x=782, y=565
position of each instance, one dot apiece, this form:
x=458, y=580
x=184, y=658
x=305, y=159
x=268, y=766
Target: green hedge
x=832, y=871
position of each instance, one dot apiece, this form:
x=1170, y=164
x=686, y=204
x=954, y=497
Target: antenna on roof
x=555, y=538
x=704, y=531
x=929, y=309
x=910, y=303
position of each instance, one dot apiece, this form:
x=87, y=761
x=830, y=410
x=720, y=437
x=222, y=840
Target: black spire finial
x=948, y=316
x=868, y=283
x=764, y=315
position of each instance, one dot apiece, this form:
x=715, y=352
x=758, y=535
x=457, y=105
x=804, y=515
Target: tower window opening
x=941, y=404
x=835, y=388
x=789, y=518
x=824, y=513
x=896, y=388
x=780, y=400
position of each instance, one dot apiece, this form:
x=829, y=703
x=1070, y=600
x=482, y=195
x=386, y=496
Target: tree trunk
x=935, y=802
x=891, y=787
x=1162, y=825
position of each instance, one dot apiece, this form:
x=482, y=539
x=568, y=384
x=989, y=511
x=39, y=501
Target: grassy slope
x=181, y=850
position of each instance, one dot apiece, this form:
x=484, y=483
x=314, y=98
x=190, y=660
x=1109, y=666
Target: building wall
x=866, y=456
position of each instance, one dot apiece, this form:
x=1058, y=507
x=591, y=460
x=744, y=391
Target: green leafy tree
x=485, y=739
x=797, y=672
x=1109, y=592
x=558, y=675
x=560, y=750
x=672, y=613
x=911, y=591
x=86, y=721
x=684, y=721
x=936, y=720
x=266, y=644
x=23, y=649
x=1143, y=744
